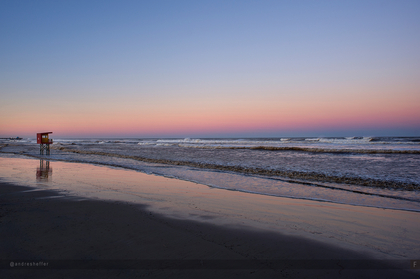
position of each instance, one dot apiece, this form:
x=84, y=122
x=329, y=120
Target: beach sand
x=81, y=236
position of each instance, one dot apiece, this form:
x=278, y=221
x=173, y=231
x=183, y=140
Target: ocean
x=382, y=172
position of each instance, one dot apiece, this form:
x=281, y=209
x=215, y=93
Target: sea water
x=379, y=172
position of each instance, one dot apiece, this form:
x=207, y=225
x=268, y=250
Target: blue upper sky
x=174, y=55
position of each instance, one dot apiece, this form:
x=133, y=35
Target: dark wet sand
x=90, y=234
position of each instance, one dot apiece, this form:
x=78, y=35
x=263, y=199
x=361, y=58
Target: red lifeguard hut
x=44, y=142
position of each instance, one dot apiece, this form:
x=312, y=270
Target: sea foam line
x=258, y=171
x=248, y=191
x=306, y=149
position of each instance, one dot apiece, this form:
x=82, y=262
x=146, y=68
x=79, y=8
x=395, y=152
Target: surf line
x=258, y=171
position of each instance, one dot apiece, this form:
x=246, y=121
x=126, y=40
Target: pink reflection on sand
x=384, y=232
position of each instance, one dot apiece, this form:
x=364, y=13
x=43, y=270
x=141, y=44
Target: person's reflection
x=44, y=171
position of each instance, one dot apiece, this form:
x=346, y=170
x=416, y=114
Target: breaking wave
x=366, y=145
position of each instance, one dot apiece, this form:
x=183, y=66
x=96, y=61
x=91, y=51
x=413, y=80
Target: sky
x=209, y=68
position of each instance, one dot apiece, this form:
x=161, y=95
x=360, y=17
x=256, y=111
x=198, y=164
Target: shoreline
x=230, y=181
x=85, y=204
x=294, y=175
x=70, y=232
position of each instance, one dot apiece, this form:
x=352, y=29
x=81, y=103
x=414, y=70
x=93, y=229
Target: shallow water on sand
x=383, y=232
x=375, y=172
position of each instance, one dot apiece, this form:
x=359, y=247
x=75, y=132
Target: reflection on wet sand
x=44, y=171
x=384, y=232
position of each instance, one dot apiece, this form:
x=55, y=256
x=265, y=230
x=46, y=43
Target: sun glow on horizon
x=271, y=69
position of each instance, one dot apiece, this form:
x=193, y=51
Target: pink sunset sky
x=210, y=69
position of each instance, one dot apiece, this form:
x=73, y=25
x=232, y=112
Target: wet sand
x=158, y=227
x=43, y=226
